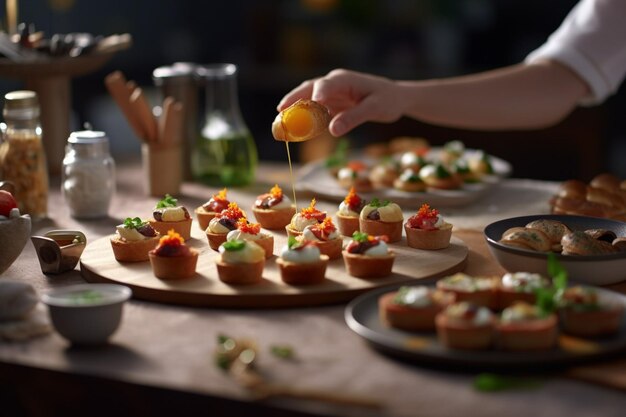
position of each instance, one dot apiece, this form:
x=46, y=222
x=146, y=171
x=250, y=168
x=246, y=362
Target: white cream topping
x=409, y=158
x=428, y=171
x=216, y=227
x=173, y=214
x=299, y=222
x=285, y=203
x=130, y=235
x=239, y=235
x=520, y=312
x=347, y=173
x=250, y=253
x=344, y=210
x=308, y=234
x=308, y=254
x=389, y=213
x=459, y=312
x=525, y=281
x=415, y=297
x=465, y=282
x=379, y=250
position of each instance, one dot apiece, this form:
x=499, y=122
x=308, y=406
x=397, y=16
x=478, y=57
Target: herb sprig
x=167, y=201
x=133, y=223
x=378, y=203
x=548, y=298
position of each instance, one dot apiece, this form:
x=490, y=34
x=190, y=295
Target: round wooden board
x=205, y=289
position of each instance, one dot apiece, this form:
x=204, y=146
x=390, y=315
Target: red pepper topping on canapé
x=268, y=200
x=356, y=165
x=353, y=201
x=362, y=241
x=312, y=213
x=323, y=230
x=217, y=203
x=229, y=217
x=249, y=228
x=424, y=219
x=172, y=245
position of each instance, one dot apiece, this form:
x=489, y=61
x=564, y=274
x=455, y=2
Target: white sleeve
x=592, y=42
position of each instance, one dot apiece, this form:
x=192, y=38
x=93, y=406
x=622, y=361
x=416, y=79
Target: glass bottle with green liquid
x=225, y=153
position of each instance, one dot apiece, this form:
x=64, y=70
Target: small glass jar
x=88, y=176
x=22, y=156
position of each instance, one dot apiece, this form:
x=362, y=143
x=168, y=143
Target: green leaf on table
x=167, y=201
x=488, y=382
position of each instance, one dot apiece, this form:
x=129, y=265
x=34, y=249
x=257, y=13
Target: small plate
x=362, y=316
x=315, y=178
x=592, y=270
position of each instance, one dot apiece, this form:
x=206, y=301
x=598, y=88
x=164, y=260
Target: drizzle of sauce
x=293, y=185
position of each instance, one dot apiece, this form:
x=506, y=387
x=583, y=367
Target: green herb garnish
x=377, y=203
x=441, y=171
x=360, y=237
x=339, y=156
x=492, y=383
x=401, y=295
x=486, y=159
x=168, y=201
x=282, y=351
x=133, y=223
x=548, y=298
x=234, y=245
x=293, y=243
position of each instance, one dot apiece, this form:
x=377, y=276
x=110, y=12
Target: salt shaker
x=88, y=180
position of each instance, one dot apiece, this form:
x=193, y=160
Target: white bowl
x=14, y=233
x=592, y=270
x=87, y=314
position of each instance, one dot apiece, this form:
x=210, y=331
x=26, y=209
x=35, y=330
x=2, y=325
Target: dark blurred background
x=279, y=43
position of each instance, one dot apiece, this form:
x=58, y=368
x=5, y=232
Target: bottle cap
x=87, y=137
x=21, y=105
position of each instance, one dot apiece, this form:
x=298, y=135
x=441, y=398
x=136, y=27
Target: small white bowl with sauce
x=87, y=314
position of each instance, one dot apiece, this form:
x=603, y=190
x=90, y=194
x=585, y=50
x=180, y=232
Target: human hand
x=352, y=98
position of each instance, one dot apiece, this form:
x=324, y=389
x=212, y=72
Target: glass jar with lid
x=88, y=175
x=22, y=156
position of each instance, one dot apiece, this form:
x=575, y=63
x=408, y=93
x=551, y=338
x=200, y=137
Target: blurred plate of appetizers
x=408, y=171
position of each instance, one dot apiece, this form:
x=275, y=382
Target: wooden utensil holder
x=162, y=168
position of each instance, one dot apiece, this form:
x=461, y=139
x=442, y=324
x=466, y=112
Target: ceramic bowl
x=592, y=270
x=87, y=314
x=14, y=233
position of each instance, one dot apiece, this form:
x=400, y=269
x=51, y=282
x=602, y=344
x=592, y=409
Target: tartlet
x=134, y=239
x=462, y=169
x=439, y=176
x=413, y=308
x=325, y=236
x=465, y=326
x=481, y=291
x=427, y=230
x=356, y=175
x=384, y=174
x=452, y=151
x=306, y=217
x=368, y=256
x=382, y=218
x=412, y=160
x=252, y=232
x=482, y=165
x=348, y=213
x=302, y=263
x=223, y=223
x=584, y=312
x=409, y=180
x=168, y=215
x=208, y=210
x=273, y=210
x=520, y=286
x=240, y=262
x=172, y=259
x=524, y=327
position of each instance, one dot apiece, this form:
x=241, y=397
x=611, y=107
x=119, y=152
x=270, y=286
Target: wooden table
x=160, y=362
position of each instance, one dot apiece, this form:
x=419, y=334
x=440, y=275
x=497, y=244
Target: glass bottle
x=225, y=153
x=88, y=175
x=22, y=156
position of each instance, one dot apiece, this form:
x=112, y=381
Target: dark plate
x=362, y=317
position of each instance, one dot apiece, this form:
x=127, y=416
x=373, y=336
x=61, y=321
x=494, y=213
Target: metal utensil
x=59, y=250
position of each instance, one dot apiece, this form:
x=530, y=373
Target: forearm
x=516, y=97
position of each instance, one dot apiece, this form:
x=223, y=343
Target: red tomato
x=7, y=202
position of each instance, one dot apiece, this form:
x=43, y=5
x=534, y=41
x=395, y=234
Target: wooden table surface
x=160, y=362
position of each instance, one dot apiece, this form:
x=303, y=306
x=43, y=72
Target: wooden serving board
x=205, y=289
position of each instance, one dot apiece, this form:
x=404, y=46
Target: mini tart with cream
x=587, y=313
x=465, y=326
x=438, y=176
x=482, y=165
x=368, y=256
x=413, y=160
x=325, y=236
x=308, y=216
x=172, y=259
x=462, y=169
x=413, y=308
x=452, y=151
x=427, y=230
x=252, y=232
x=384, y=174
x=274, y=209
x=525, y=327
x=240, y=262
x=356, y=175
x=520, y=286
x=223, y=223
x=168, y=215
x=348, y=213
x=482, y=291
x=134, y=239
x=409, y=180
x=208, y=210
x=302, y=263
x=382, y=218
